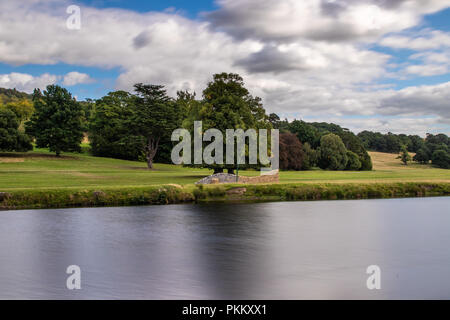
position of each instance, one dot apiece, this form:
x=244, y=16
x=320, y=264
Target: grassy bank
x=171, y=194
x=40, y=180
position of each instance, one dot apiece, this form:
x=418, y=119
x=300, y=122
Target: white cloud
x=338, y=20
x=74, y=78
x=25, y=82
x=302, y=57
x=424, y=40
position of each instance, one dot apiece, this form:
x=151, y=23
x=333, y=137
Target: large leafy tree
x=333, y=154
x=227, y=104
x=155, y=116
x=109, y=132
x=57, y=121
x=441, y=159
x=11, y=138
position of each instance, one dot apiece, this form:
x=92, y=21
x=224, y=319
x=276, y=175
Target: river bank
x=233, y=193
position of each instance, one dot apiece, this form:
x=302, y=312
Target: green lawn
x=40, y=170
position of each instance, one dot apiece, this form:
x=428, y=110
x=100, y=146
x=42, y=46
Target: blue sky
x=362, y=64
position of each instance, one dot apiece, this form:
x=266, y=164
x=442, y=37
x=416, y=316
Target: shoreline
x=226, y=193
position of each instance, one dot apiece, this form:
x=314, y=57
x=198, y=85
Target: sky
x=379, y=65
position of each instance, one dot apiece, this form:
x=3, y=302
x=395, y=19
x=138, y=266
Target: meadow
x=40, y=179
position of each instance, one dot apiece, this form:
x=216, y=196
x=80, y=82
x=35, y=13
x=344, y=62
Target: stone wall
x=220, y=178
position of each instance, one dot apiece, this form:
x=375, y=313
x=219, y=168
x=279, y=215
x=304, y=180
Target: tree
x=109, y=131
x=227, y=104
x=441, y=159
x=11, y=139
x=404, y=155
x=22, y=108
x=353, y=162
x=305, y=132
x=291, y=152
x=416, y=143
x=311, y=157
x=422, y=155
x=57, y=121
x=155, y=116
x=333, y=154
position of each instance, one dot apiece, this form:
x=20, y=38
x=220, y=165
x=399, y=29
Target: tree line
x=325, y=145
x=138, y=125
x=434, y=148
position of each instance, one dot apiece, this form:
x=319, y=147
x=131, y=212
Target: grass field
x=39, y=179
x=41, y=169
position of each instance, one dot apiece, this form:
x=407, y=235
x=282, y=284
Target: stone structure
x=221, y=178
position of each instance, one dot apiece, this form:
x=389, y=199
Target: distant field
x=41, y=169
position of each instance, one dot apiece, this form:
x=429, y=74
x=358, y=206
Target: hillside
x=8, y=95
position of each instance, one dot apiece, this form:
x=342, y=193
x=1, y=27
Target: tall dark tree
x=57, y=121
x=155, y=116
x=291, y=152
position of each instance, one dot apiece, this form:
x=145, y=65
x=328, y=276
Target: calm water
x=295, y=250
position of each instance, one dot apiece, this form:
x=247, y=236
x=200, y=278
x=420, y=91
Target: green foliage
x=441, y=159
x=154, y=118
x=291, y=152
x=353, y=161
x=226, y=104
x=416, y=143
x=11, y=139
x=305, y=132
x=57, y=121
x=422, y=156
x=404, y=155
x=311, y=157
x=22, y=108
x=109, y=132
x=333, y=154
x=11, y=95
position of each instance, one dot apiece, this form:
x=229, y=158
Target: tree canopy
x=57, y=121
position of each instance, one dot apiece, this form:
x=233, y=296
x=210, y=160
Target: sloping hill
x=8, y=95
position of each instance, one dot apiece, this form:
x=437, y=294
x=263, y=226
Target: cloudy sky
x=381, y=65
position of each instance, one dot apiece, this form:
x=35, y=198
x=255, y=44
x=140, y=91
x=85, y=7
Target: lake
x=283, y=250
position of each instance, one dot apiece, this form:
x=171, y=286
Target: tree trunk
x=230, y=171
x=149, y=163
x=152, y=148
x=218, y=170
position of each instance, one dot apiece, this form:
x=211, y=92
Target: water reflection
x=290, y=250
